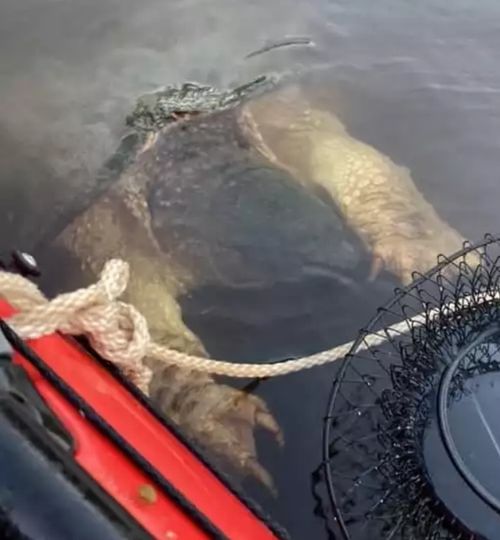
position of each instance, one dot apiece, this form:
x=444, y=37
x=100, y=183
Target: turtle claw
x=260, y=416
x=222, y=423
x=257, y=471
x=404, y=257
x=264, y=420
x=376, y=268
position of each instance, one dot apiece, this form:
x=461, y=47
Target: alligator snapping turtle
x=228, y=195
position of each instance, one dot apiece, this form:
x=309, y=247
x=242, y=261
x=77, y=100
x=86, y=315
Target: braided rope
x=119, y=333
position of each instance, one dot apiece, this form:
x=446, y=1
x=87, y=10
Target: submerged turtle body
x=230, y=197
x=200, y=205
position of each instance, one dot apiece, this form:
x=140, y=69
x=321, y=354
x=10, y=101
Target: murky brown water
x=419, y=83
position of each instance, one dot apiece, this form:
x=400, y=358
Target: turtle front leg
x=376, y=197
x=380, y=201
x=219, y=419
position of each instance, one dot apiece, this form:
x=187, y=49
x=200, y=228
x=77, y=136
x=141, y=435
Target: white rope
x=116, y=330
x=119, y=333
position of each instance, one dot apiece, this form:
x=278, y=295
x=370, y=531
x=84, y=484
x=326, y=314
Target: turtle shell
x=222, y=210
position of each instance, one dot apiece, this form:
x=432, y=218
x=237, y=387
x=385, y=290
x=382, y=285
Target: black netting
x=411, y=436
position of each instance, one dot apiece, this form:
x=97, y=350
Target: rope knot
x=117, y=331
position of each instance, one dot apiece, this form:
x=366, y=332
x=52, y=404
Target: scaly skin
x=376, y=197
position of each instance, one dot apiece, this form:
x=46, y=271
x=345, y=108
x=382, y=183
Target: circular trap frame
x=411, y=446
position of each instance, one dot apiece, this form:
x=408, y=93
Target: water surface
x=421, y=83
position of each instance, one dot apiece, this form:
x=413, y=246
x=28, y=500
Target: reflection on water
x=419, y=83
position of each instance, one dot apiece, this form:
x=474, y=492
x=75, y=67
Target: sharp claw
x=234, y=415
x=266, y=421
x=376, y=267
x=258, y=472
x=407, y=278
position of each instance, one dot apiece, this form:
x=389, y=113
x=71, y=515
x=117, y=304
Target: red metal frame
x=111, y=469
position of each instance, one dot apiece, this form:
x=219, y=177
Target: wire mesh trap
x=412, y=432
